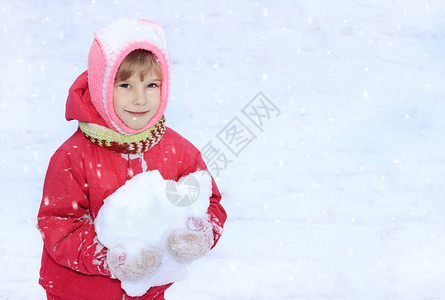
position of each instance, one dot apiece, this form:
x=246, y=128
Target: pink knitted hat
x=112, y=43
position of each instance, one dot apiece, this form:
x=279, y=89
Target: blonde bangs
x=141, y=62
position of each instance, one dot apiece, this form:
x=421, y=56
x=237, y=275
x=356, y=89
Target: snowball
x=143, y=212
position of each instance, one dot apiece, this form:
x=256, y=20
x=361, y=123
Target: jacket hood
x=79, y=105
x=112, y=43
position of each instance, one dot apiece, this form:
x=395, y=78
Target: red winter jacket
x=79, y=177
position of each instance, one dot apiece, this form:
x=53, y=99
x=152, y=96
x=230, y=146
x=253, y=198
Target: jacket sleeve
x=217, y=214
x=64, y=218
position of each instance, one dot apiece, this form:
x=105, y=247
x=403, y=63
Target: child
x=119, y=103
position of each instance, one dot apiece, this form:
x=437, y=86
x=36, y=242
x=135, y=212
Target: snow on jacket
x=82, y=174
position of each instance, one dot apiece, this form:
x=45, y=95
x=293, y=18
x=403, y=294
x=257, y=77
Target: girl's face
x=136, y=101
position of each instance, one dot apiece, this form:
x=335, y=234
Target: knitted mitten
x=148, y=260
x=193, y=242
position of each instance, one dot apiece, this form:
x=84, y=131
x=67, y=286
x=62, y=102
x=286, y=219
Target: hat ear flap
x=96, y=72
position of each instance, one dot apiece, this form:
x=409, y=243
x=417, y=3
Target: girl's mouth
x=137, y=114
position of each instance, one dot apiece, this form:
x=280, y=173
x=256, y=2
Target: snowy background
x=339, y=197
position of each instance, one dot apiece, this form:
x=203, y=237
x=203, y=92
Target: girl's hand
x=193, y=242
x=148, y=260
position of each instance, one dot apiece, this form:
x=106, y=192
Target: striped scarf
x=127, y=144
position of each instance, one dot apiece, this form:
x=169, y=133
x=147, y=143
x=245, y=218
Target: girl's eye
x=152, y=85
x=125, y=85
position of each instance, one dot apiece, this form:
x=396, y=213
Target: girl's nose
x=139, y=97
